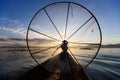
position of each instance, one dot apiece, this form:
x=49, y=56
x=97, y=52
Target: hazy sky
x=15, y=16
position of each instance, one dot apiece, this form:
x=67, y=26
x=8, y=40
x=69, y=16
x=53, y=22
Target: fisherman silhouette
x=64, y=47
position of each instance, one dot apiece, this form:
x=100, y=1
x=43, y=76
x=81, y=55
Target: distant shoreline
x=111, y=46
x=102, y=46
x=19, y=45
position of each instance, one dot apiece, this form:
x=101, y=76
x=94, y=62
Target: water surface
x=16, y=61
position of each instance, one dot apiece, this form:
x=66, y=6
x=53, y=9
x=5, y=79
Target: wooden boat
x=60, y=69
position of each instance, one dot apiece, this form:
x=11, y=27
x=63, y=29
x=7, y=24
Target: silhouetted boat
x=56, y=68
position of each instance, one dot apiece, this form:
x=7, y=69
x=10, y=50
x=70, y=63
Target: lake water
x=14, y=62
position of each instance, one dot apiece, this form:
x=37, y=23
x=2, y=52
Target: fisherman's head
x=65, y=42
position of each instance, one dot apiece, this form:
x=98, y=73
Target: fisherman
x=64, y=46
x=64, y=53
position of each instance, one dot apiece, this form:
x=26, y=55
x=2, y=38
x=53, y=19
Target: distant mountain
x=18, y=42
x=2, y=39
x=111, y=46
x=19, y=39
x=6, y=39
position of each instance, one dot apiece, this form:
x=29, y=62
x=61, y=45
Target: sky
x=15, y=16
